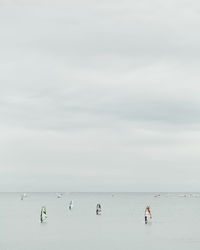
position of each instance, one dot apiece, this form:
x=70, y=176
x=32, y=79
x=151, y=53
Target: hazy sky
x=99, y=95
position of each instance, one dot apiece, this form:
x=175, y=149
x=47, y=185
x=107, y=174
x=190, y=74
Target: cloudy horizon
x=99, y=96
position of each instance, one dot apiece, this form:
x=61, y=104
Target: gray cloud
x=99, y=96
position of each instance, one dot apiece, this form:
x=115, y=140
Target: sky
x=99, y=95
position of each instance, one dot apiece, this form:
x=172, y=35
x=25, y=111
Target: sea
x=175, y=221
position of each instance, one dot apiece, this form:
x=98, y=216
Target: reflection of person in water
x=147, y=213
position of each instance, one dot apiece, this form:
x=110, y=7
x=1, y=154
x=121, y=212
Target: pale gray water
x=175, y=223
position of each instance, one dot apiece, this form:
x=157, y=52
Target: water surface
x=175, y=222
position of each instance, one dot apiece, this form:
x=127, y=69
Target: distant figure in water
x=98, y=209
x=70, y=205
x=59, y=195
x=147, y=213
x=43, y=214
x=23, y=196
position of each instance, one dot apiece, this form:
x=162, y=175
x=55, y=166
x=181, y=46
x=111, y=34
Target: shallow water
x=121, y=226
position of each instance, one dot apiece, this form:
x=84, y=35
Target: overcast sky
x=99, y=95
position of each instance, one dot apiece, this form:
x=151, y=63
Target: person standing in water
x=147, y=213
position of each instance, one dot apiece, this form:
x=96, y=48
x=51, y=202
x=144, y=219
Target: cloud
x=103, y=95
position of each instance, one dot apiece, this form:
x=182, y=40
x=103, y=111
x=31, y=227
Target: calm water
x=175, y=223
